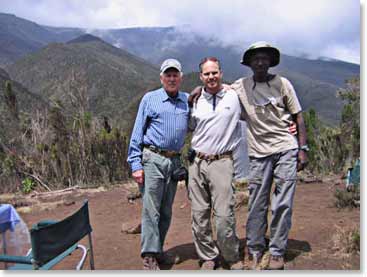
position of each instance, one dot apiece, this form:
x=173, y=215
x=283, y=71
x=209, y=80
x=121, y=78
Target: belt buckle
x=202, y=156
x=168, y=154
x=174, y=153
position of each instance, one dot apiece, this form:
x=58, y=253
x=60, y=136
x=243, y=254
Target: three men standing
x=270, y=105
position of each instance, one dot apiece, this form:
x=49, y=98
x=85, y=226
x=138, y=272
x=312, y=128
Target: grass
x=347, y=240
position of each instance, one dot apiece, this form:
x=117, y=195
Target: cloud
x=313, y=27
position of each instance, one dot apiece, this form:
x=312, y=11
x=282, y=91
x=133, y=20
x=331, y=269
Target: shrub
x=347, y=199
x=28, y=185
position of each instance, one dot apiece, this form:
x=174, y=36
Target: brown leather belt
x=165, y=153
x=207, y=157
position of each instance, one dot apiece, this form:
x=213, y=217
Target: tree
x=11, y=100
x=350, y=121
x=335, y=149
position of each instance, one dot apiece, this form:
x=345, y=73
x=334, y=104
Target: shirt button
x=175, y=140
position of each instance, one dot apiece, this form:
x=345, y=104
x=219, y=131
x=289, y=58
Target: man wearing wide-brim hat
x=270, y=103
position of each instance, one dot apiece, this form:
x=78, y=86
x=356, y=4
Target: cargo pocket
x=255, y=172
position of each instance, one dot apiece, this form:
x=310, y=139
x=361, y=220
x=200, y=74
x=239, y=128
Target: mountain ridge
x=111, y=76
x=151, y=45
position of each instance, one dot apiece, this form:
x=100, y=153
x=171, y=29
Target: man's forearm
x=194, y=96
x=301, y=130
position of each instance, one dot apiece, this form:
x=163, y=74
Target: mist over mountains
x=120, y=65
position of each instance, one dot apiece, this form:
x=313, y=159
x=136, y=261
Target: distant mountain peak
x=7, y=14
x=85, y=38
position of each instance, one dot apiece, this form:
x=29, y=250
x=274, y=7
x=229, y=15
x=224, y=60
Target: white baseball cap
x=171, y=63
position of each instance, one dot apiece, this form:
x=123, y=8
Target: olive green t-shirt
x=268, y=109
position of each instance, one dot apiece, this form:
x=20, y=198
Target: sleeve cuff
x=136, y=166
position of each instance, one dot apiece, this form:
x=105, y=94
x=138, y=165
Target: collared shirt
x=268, y=112
x=161, y=121
x=214, y=121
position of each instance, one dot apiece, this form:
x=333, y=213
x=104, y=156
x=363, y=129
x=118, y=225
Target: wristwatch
x=304, y=148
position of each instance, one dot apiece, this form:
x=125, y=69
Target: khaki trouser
x=210, y=188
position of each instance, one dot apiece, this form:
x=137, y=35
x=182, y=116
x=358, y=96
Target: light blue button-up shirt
x=161, y=121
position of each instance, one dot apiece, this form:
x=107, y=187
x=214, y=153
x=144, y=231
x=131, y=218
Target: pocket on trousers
x=256, y=173
x=146, y=156
x=287, y=168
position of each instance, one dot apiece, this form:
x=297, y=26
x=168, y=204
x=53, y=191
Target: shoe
x=208, y=265
x=150, y=263
x=236, y=265
x=276, y=263
x=166, y=258
x=256, y=259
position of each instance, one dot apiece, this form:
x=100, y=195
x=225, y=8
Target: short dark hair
x=207, y=59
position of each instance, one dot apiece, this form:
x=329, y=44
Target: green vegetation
x=355, y=245
x=28, y=185
x=60, y=147
x=66, y=143
x=334, y=149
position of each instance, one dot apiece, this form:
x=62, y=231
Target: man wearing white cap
x=154, y=156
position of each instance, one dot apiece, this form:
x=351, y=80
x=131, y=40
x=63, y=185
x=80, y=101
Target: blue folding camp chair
x=52, y=241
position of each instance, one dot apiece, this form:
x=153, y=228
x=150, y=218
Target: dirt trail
x=311, y=243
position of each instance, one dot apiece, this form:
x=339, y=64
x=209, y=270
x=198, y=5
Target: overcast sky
x=314, y=28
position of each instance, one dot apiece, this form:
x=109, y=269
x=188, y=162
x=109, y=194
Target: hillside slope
x=110, y=78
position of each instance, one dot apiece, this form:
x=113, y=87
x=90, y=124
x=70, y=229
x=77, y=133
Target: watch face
x=304, y=148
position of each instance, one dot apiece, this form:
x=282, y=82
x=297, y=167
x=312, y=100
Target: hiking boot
x=236, y=265
x=208, y=265
x=166, y=258
x=150, y=263
x=276, y=263
x=256, y=259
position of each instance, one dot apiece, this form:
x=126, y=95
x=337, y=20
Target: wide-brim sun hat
x=263, y=46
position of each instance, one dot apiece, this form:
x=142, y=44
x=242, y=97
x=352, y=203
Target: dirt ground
x=312, y=244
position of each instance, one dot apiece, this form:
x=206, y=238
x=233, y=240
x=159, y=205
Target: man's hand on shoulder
x=194, y=96
x=226, y=87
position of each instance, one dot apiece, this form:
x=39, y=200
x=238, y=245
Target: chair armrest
x=15, y=259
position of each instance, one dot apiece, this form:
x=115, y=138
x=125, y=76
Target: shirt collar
x=209, y=96
x=165, y=96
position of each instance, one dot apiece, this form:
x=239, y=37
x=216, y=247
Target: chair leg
x=91, y=257
x=84, y=256
x=4, y=248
